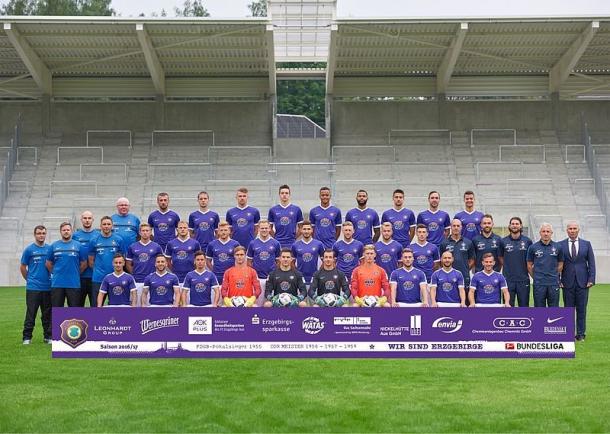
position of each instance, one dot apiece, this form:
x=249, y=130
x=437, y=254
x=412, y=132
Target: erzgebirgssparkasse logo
x=447, y=324
x=312, y=325
x=74, y=332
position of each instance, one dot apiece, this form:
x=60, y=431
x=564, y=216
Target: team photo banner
x=313, y=332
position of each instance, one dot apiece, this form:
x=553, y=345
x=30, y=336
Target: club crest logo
x=408, y=285
x=324, y=222
x=284, y=221
x=329, y=285
x=398, y=224
x=285, y=286
x=143, y=257
x=74, y=332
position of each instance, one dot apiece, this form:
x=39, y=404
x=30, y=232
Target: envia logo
x=74, y=332
x=446, y=324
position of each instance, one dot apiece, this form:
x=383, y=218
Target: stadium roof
x=81, y=57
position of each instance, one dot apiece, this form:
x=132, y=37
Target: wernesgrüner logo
x=74, y=332
x=147, y=325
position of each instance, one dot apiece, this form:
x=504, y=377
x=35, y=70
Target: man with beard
x=409, y=286
x=470, y=218
x=329, y=280
x=326, y=220
x=203, y=222
x=447, y=285
x=462, y=249
x=307, y=252
x=515, y=247
x=487, y=242
x=348, y=251
x=163, y=286
x=84, y=237
x=285, y=286
x=401, y=218
x=436, y=220
x=364, y=219
x=164, y=221
x=243, y=219
x=388, y=251
x=101, y=254
x=488, y=287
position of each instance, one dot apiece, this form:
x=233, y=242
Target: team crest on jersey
x=181, y=254
x=264, y=255
x=162, y=227
x=432, y=226
x=117, y=290
x=385, y=258
x=285, y=286
x=307, y=257
x=408, y=285
x=162, y=290
x=447, y=286
x=325, y=222
x=488, y=289
x=241, y=222
x=143, y=257
x=200, y=287
x=329, y=285
x=398, y=224
x=361, y=224
x=74, y=332
x=284, y=221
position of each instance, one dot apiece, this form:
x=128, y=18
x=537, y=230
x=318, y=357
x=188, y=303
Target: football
x=370, y=301
x=238, y=301
x=284, y=299
x=330, y=299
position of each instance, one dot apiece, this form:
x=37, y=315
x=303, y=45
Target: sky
x=392, y=8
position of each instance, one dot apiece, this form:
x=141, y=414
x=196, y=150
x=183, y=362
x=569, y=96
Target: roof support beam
x=563, y=68
x=152, y=60
x=39, y=71
x=332, y=60
x=271, y=57
x=445, y=70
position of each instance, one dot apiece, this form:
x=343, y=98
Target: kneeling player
x=447, y=285
x=120, y=286
x=200, y=287
x=370, y=287
x=408, y=284
x=285, y=286
x=240, y=286
x=488, y=286
x=162, y=285
x=329, y=287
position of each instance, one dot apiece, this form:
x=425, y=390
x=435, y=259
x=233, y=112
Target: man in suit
x=578, y=275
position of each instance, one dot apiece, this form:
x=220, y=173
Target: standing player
x=326, y=220
x=141, y=258
x=285, y=287
x=263, y=252
x=203, y=222
x=37, y=286
x=120, y=286
x=163, y=286
x=487, y=286
x=515, y=247
x=66, y=261
x=437, y=221
x=470, y=218
x=220, y=252
x=240, y=286
x=200, y=287
x=462, y=250
x=329, y=280
x=545, y=263
x=488, y=242
x=124, y=223
x=243, y=219
x=164, y=221
x=408, y=285
x=101, y=253
x=364, y=219
x=84, y=237
x=388, y=251
x=426, y=254
x=307, y=252
x=370, y=286
x=447, y=285
x=181, y=252
x=286, y=219
x=401, y=218
x=348, y=251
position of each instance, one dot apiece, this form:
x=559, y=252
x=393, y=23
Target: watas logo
x=74, y=332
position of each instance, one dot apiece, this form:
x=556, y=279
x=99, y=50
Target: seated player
x=488, y=286
x=447, y=285
x=329, y=287
x=162, y=285
x=285, y=286
x=120, y=286
x=408, y=284
x=240, y=285
x=200, y=287
x=370, y=287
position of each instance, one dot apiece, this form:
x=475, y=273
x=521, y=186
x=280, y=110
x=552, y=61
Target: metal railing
x=421, y=132
x=52, y=183
x=298, y=127
x=35, y=163
x=584, y=153
x=267, y=150
x=600, y=188
x=101, y=149
x=513, y=147
x=490, y=130
x=495, y=163
x=128, y=132
x=157, y=132
x=104, y=165
x=11, y=161
x=371, y=147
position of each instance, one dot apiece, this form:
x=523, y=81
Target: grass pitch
x=40, y=394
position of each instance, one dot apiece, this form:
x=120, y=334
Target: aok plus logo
x=200, y=325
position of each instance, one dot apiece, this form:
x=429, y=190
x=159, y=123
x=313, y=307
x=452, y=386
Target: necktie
x=573, y=250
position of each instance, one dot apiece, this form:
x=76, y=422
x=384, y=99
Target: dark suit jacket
x=580, y=270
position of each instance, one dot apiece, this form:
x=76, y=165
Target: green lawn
x=38, y=393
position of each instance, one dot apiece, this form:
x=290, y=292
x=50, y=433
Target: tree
x=192, y=9
x=58, y=7
x=258, y=8
x=302, y=97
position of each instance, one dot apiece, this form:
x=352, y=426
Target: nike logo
x=551, y=321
